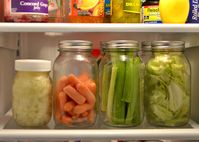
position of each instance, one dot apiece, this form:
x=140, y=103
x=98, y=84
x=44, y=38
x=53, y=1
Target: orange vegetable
x=84, y=114
x=73, y=80
x=69, y=106
x=74, y=95
x=82, y=108
x=91, y=86
x=83, y=77
x=61, y=84
x=91, y=116
x=84, y=91
x=66, y=119
x=62, y=98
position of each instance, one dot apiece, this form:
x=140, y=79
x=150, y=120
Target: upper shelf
x=67, y=27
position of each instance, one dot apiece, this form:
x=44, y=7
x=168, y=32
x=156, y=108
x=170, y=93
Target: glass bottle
x=75, y=85
x=32, y=100
x=26, y=11
x=121, y=84
x=167, y=85
x=125, y=11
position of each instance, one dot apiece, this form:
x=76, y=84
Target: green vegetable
x=167, y=90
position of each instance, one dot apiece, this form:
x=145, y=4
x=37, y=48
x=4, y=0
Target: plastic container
x=167, y=85
x=121, y=84
x=87, y=11
x=125, y=11
x=57, y=11
x=32, y=99
x=26, y=10
x=150, y=12
x=75, y=85
x=146, y=52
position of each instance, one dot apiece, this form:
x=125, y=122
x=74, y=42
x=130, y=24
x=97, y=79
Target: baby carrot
x=82, y=108
x=91, y=116
x=84, y=91
x=83, y=77
x=69, y=106
x=62, y=82
x=73, y=80
x=91, y=86
x=61, y=101
x=74, y=95
x=84, y=114
x=66, y=119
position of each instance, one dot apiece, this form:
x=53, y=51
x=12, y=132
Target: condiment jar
x=125, y=11
x=31, y=104
x=167, y=85
x=121, y=84
x=26, y=10
x=75, y=85
x=145, y=52
x=90, y=11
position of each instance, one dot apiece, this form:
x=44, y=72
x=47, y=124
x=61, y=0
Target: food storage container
x=75, y=85
x=86, y=11
x=31, y=102
x=125, y=11
x=57, y=11
x=26, y=10
x=167, y=85
x=145, y=52
x=121, y=84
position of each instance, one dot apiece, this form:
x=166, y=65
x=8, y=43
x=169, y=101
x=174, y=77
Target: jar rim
x=175, y=46
x=75, y=45
x=146, y=46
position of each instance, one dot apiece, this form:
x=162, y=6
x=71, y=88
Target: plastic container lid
x=33, y=65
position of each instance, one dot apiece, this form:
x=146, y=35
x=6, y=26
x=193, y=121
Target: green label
x=132, y=6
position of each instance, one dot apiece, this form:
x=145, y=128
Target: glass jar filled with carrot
x=86, y=11
x=75, y=84
x=121, y=84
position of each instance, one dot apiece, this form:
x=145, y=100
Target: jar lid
x=168, y=46
x=74, y=45
x=122, y=45
x=146, y=46
x=32, y=65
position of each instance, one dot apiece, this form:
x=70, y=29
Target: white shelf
x=67, y=27
x=9, y=132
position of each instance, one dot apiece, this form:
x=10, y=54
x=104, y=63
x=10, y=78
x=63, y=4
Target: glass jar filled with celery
x=167, y=87
x=121, y=84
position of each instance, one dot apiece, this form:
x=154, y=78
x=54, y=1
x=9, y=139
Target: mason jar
x=145, y=52
x=167, y=85
x=32, y=99
x=75, y=85
x=121, y=84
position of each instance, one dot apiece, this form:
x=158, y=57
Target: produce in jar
x=86, y=11
x=75, y=99
x=125, y=11
x=26, y=10
x=167, y=90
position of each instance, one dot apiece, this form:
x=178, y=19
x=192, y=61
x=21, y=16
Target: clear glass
x=145, y=55
x=57, y=11
x=32, y=98
x=120, y=16
x=22, y=16
x=167, y=89
x=75, y=89
x=121, y=88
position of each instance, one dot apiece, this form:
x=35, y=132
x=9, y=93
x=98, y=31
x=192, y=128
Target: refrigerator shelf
x=9, y=131
x=68, y=27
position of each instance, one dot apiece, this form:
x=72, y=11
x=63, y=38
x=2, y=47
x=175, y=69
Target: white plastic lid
x=32, y=65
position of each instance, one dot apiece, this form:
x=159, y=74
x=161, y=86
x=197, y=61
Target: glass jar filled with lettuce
x=121, y=84
x=32, y=100
x=167, y=85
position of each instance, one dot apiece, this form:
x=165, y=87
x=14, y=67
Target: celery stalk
x=111, y=92
x=105, y=86
x=119, y=106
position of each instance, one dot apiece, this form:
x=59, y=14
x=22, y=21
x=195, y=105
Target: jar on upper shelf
x=26, y=10
x=75, y=85
x=32, y=99
x=121, y=84
x=125, y=11
x=167, y=85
